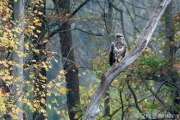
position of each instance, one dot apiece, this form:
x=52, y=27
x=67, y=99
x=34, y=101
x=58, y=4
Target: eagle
x=117, y=49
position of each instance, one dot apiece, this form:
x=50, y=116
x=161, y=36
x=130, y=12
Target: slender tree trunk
x=169, y=53
x=18, y=71
x=109, y=29
x=134, y=20
x=67, y=52
x=39, y=82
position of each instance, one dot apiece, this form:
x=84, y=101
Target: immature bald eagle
x=117, y=49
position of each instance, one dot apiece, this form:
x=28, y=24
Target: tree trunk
x=116, y=69
x=109, y=29
x=39, y=82
x=67, y=52
x=72, y=72
x=169, y=53
x=18, y=71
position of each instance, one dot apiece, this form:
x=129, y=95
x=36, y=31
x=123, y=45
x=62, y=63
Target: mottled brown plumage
x=117, y=49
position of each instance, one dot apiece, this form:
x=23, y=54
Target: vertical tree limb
x=67, y=52
x=18, y=71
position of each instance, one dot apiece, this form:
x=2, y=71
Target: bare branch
x=134, y=5
x=88, y=32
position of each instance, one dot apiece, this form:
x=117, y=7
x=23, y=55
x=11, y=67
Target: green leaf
x=169, y=89
x=161, y=34
x=49, y=105
x=85, y=16
x=120, y=89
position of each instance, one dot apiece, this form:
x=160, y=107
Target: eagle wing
x=111, y=54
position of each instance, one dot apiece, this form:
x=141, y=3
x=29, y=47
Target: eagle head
x=119, y=36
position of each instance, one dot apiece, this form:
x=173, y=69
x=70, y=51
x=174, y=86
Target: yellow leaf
x=62, y=72
x=59, y=77
x=38, y=24
x=26, y=46
x=10, y=62
x=58, y=112
x=36, y=21
x=40, y=13
x=35, y=66
x=48, y=52
x=27, y=82
x=67, y=15
x=54, y=101
x=38, y=31
x=31, y=27
x=50, y=84
x=43, y=100
x=63, y=90
x=44, y=66
x=76, y=116
x=35, y=11
x=42, y=77
x=36, y=51
x=20, y=54
x=45, y=41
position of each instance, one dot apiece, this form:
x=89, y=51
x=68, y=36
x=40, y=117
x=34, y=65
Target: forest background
x=53, y=54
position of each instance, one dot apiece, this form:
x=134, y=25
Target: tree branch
x=136, y=101
x=122, y=104
x=116, y=69
x=88, y=32
x=71, y=15
x=155, y=94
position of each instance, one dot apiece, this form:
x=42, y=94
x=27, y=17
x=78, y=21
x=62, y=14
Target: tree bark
x=67, y=52
x=116, y=69
x=18, y=71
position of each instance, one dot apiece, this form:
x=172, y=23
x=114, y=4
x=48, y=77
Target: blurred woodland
x=54, y=52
